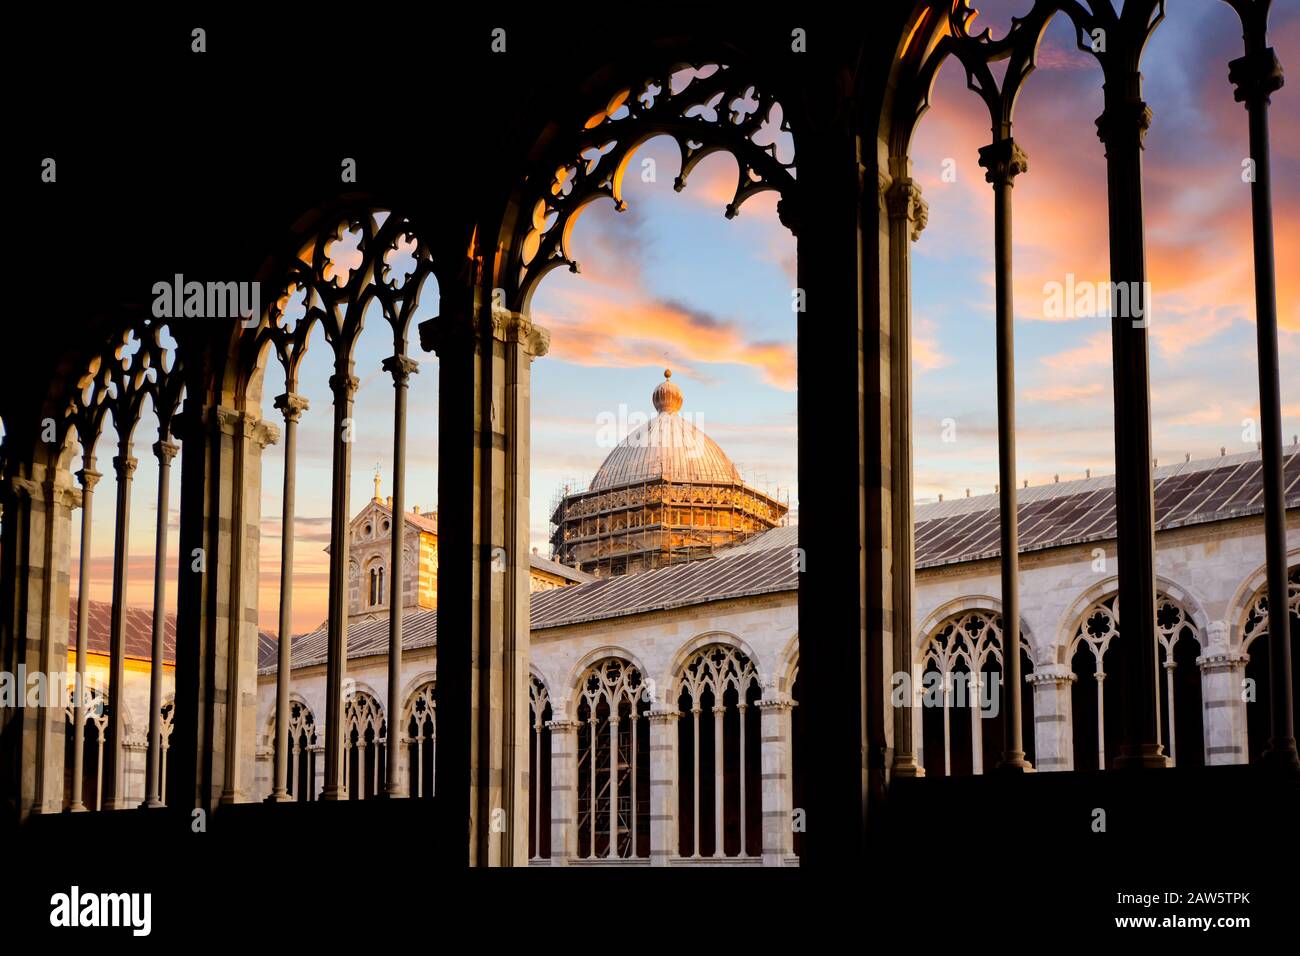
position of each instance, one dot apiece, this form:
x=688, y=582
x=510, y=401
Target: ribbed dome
x=668, y=447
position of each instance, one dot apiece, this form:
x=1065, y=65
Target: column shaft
x=1121, y=128
x=344, y=386
x=165, y=451
x=663, y=786
x=292, y=406
x=115, y=759
x=88, y=478
x=401, y=369
x=1004, y=160
x=1258, y=75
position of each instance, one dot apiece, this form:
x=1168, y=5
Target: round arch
x=1068, y=626
x=672, y=677
x=1247, y=592
x=962, y=605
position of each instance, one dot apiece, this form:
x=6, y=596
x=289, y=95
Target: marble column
x=908, y=214
x=165, y=452
x=1257, y=76
x=344, y=386
x=1003, y=160
x=1053, y=727
x=88, y=477
x=663, y=785
x=778, y=831
x=114, y=757
x=1223, y=709
x=1121, y=127
x=564, y=791
x=292, y=406
x=401, y=368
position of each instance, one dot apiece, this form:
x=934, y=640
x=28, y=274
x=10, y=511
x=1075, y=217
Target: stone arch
x=1068, y=625
x=1244, y=597
x=627, y=105
x=787, y=668
x=573, y=684
x=959, y=605
x=426, y=676
x=672, y=677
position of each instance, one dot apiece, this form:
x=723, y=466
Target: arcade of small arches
x=359, y=263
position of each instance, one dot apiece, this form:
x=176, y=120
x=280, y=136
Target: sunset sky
x=670, y=283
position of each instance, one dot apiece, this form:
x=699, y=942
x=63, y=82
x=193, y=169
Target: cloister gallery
x=561, y=704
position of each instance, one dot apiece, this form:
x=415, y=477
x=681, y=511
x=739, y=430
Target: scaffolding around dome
x=666, y=495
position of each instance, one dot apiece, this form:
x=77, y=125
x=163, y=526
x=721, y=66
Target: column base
x=77, y=808
x=153, y=803
x=398, y=794
x=1014, y=763
x=1144, y=757
x=1281, y=759
x=907, y=767
x=334, y=794
x=280, y=796
x=228, y=798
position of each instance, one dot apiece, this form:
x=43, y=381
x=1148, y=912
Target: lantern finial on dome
x=667, y=397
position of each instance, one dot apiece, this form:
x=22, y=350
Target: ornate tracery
x=962, y=686
x=720, y=679
x=613, y=761
x=364, y=257
x=1259, y=690
x=705, y=108
x=420, y=718
x=539, y=783
x=1176, y=635
x=365, y=743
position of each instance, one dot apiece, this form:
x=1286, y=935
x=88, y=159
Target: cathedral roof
x=1069, y=512
x=667, y=447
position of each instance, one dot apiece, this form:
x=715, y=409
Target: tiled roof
x=1068, y=512
x=419, y=629
x=547, y=566
x=759, y=571
x=137, y=630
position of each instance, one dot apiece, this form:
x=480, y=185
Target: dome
x=667, y=447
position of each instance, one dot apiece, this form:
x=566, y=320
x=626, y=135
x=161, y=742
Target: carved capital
x=292, y=405
x=516, y=328
x=1118, y=122
x=227, y=419
x=903, y=201
x=1003, y=161
x=344, y=387
x=1256, y=76
x=262, y=432
x=165, y=451
x=445, y=334
x=124, y=465
x=89, y=478
x=401, y=368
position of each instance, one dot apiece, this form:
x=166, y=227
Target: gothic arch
x=427, y=676
x=955, y=608
x=1247, y=593
x=1068, y=627
x=1181, y=728
x=706, y=104
x=671, y=685
x=787, y=668
x=578, y=672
